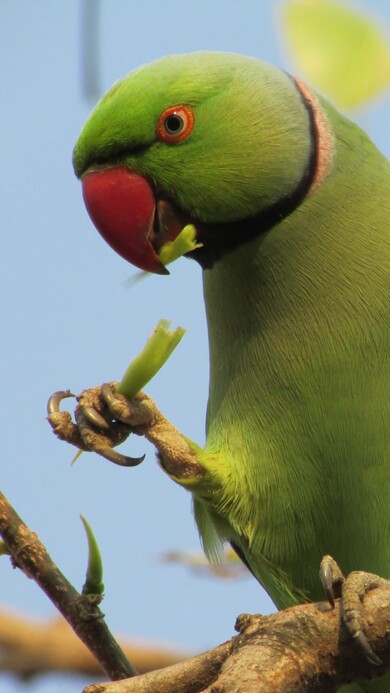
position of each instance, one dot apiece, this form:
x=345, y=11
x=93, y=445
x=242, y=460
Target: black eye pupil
x=173, y=124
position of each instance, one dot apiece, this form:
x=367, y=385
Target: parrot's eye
x=175, y=124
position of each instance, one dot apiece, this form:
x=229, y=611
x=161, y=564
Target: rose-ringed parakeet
x=291, y=204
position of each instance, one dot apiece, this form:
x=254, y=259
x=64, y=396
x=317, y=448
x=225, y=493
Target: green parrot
x=291, y=205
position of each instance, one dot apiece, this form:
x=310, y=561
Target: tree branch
x=305, y=648
x=190, y=676
x=81, y=612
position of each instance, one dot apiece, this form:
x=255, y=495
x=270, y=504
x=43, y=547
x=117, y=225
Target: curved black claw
x=332, y=579
x=108, y=395
x=94, y=418
x=53, y=405
x=326, y=577
x=120, y=407
x=365, y=646
x=122, y=460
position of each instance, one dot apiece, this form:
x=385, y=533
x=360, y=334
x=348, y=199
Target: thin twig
x=81, y=612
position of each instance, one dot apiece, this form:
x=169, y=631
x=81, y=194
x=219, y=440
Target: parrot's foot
x=96, y=428
x=351, y=589
x=104, y=419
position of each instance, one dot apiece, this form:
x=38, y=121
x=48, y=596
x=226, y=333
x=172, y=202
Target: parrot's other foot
x=95, y=430
x=104, y=418
x=351, y=590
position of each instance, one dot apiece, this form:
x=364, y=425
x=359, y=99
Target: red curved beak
x=122, y=206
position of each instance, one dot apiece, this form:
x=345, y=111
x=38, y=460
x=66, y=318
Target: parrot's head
x=216, y=139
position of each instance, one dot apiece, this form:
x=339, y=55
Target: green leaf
x=94, y=577
x=342, y=52
x=156, y=352
x=76, y=457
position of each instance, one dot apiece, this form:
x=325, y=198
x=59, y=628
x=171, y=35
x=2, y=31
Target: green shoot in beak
x=183, y=243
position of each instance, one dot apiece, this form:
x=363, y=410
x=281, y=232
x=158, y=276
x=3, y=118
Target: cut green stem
x=156, y=352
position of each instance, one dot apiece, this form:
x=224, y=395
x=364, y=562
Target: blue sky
x=68, y=319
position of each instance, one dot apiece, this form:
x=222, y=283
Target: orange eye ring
x=175, y=124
